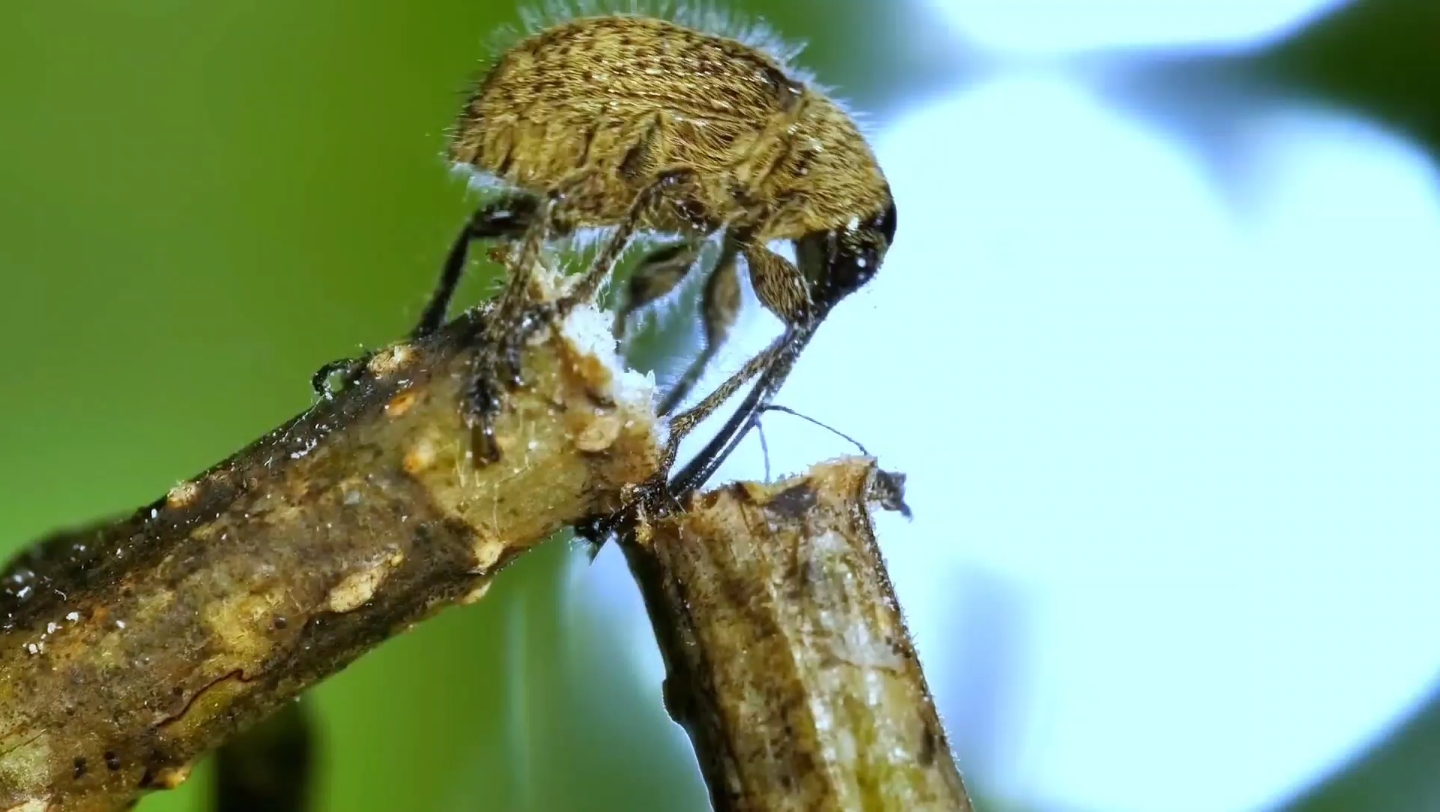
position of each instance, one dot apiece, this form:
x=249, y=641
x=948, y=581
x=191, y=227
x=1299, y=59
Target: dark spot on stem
x=793, y=502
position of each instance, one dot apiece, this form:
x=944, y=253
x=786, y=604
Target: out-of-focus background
x=1157, y=345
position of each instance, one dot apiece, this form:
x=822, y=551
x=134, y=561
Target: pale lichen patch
x=241, y=623
x=420, y=457
x=182, y=495
x=401, y=403
x=32, y=805
x=475, y=594
x=357, y=588
x=599, y=432
x=390, y=360
x=172, y=777
x=487, y=554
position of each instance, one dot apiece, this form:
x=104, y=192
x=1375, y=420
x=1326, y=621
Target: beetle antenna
x=775, y=407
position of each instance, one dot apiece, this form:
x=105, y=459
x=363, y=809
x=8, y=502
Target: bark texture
x=131, y=648
x=788, y=660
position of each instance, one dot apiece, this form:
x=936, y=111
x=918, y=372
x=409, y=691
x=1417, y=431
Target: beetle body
x=631, y=123
x=602, y=105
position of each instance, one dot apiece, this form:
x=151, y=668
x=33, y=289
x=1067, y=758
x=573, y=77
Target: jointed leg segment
x=773, y=365
x=506, y=219
x=517, y=316
x=656, y=275
x=719, y=308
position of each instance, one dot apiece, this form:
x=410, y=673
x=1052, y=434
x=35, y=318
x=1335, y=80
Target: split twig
x=789, y=663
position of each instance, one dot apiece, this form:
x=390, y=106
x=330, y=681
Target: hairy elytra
x=624, y=98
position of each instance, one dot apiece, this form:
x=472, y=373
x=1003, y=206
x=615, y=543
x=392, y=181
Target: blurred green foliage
x=1396, y=773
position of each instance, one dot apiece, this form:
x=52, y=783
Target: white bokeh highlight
x=1050, y=27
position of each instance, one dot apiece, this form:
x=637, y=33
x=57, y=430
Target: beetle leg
x=666, y=188
x=656, y=275
x=719, y=307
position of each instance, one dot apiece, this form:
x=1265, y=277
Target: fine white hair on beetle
x=702, y=16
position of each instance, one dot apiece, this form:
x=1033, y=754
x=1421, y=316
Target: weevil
x=629, y=122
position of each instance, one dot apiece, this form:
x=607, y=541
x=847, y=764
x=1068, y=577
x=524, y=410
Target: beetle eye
x=837, y=263
x=851, y=266
x=885, y=224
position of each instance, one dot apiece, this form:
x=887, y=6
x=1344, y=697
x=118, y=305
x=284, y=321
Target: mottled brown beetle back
x=600, y=106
